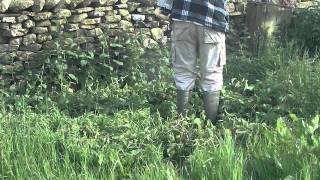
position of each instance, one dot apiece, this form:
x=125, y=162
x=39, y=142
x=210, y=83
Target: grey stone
x=146, y=10
x=63, y=13
x=4, y=48
x=231, y=7
x=13, y=47
x=59, y=6
x=138, y=17
x=43, y=37
x=48, y=45
x=19, y=5
x=81, y=32
x=113, y=19
x=111, y=2
x=4, y=5
x=13, y=32
x=25, y=55
x=240, y=7
x=149, y=43
x=38, y=5
x=54, y=29
x=83, y=10
x=100, y=2
x=40, y=30
x=9, y=19
x=15, y=41
x=43, y=16
x=4, y=40
x=144, y=31
x=132, y=6
x=114, y=32
x=96, y=14
x=22, y=18
x=95, y=32
x=112, y=26
x=59, y=22
x=13, y=68
x=5, y=26
x=86, y=3
x=103, y=9
x=124, y=12
x=78, y=18
x=157, y=33
x=29, y=39
x=51, y=4
x=121, y=6
x=44, y=23
x=84, y=39
x=112, y=13
x=32, y=47
x=91, y=21
x=150, y=17
x=6, y=59
x=16, y=26
x=74, y=3
x=28, y=24
x=28, y=13
x=152, y=24
x=72, y=27
x=126, y=25
x=83, y=26
x=127, y=18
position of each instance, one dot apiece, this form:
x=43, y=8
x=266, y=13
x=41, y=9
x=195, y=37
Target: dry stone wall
x=30, y=26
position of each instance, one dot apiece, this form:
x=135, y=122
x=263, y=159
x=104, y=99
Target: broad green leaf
x=118, y=62
x=293, y=117
x=83, y=62
x=73, y=77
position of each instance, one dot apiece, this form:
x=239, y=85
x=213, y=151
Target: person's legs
x=212, y=59
x=184, y=56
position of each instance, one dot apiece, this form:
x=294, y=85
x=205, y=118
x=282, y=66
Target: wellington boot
x=182, y=102
x=211, y=105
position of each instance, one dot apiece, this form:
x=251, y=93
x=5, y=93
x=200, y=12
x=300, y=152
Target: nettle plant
x=71, y=66
x=114, y=74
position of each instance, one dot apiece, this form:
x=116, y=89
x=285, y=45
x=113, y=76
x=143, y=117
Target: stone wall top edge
x=17, y=6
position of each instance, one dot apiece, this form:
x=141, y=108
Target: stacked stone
x=236, y=7
x=145, y=22
x=32, y=26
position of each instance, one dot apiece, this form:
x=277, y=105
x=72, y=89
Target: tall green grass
x=118, y=130
x=135, y=145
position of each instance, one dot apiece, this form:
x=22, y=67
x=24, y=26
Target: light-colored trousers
x=191, y=42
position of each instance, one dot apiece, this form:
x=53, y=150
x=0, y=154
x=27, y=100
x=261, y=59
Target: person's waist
x=174, y=19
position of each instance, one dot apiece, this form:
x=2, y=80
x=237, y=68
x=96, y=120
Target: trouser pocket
x=213, y=50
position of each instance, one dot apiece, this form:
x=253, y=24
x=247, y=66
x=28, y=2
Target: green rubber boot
x=211, y=105
x=182, y=102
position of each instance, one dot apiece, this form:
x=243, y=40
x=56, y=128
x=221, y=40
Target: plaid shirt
x=210, y=13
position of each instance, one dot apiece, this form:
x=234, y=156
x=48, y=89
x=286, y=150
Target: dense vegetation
x=110, y=114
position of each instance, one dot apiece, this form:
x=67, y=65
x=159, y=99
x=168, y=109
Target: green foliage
x=110, y=114
x=305, y=28
x=119, y=74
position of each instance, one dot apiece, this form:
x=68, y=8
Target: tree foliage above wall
x=305, y=28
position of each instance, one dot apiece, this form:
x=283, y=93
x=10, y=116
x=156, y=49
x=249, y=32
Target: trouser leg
x=212, y=59
x=184, y=56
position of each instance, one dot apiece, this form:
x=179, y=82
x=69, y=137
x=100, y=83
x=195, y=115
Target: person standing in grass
x=198, y=33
